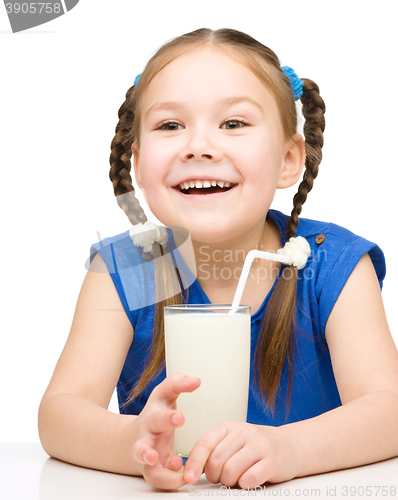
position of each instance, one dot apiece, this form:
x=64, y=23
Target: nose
x=198, y=147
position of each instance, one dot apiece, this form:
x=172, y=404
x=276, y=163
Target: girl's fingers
x=157, y=422
x=172, y=386
x=144, y=454
x=175, y=463
x=201, y=452
x=255, y=475
x=164, y=420
x=163, y=478
x=228, y=457
x=241, y=465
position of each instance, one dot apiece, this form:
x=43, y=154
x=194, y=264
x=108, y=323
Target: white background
x=62, y=84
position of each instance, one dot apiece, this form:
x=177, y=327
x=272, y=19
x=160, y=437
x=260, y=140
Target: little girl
x=211, y=123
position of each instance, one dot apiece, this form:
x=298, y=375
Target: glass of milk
x=205, y=341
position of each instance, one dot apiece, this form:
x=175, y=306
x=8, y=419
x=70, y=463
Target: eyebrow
x=227, y=101
x=230, y=101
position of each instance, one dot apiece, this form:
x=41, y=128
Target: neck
x=219, y=266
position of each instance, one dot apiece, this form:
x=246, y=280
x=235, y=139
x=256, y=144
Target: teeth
x=205, y=184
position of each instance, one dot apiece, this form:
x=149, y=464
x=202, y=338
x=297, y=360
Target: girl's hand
x=154, y=438
x=247, y=455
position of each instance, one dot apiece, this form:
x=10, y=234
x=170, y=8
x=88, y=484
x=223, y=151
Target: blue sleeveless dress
x=335, y=253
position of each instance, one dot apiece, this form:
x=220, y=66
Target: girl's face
x=206, y=116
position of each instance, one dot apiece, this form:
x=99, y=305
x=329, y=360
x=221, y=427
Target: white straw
x=253, y=254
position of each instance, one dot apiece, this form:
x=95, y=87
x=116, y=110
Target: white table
x=28, y=473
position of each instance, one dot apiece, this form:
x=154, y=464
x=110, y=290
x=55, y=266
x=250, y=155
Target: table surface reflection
x=28, y=473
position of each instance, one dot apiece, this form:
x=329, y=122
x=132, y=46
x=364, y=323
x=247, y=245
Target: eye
x=233, y=124
x=169, y=126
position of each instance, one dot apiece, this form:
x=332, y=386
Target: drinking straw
x=253, y=254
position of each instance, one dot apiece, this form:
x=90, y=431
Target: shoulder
x=132, y=275
x=333, y=247
x=118, y=252
x=336, y=251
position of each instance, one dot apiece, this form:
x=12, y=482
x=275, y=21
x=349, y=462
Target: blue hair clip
x=295, y=83
x=136, y=79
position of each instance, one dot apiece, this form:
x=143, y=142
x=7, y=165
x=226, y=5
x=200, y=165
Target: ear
x=293, y=162
x=136, y=154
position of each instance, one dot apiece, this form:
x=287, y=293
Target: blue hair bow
x=295, y=83
x=136, y=79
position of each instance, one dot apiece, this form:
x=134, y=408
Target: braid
x=313, y=111
x=120, y=162
x=276, y=339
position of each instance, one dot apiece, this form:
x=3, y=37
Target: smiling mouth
x=204, y=191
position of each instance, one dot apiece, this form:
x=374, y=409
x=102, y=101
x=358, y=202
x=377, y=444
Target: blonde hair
x=276, y=337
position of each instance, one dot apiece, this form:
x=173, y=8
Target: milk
x=214, y=346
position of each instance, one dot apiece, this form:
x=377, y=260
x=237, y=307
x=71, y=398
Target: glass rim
x=193, y=307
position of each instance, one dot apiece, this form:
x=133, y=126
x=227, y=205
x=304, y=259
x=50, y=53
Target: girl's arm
x=363, y=430
x=74, y=423
x=365, y=365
